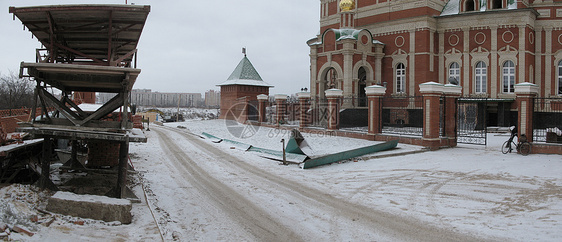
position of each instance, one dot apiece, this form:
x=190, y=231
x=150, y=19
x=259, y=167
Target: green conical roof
x=245, y=70
x=245, y=74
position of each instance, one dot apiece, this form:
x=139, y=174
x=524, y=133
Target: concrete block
x=91, y=206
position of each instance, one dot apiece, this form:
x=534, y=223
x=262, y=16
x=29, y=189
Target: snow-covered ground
x=470, y=189
x=474, y=188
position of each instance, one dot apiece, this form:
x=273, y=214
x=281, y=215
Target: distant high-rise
x=212, y=98
x=145, y=97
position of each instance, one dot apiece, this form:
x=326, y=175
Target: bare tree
x=15, y=92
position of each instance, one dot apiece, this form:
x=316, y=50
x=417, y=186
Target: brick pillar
x=304, y=102
x=431, y=92
x=281, y=102
x=262, y=103
x=374, y=99
x=526, y=93
x=452, y=94
x=334, y=96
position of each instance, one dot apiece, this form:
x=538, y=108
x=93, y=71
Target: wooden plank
x=81, y=134
x=94, y=125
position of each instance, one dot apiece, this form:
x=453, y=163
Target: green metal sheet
x=278, y=155
x=241, y=145
x=293, y=147
x=324, y=160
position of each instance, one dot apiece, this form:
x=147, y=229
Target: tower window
x=496, y=4
x=469, y=5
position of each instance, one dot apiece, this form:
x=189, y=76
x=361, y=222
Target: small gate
x=471, y=121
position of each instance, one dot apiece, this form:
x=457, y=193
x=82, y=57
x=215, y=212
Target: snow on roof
x=246, y=82
x=342, y=34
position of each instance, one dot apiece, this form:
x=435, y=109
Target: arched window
x=330, y=78
x=508, y=76
x=560, y=78
x=480, y=77
x=455, y=72
x=362, y=96
x=469, y=5
x=400, y=78
x=496, y=4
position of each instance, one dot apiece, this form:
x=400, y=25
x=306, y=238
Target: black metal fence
x=547, y=120
x=402, y=115
x=471, y=121
x=319, y=112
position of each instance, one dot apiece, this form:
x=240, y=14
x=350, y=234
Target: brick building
x=485, y=46
x=242, y=87
x=148, y=98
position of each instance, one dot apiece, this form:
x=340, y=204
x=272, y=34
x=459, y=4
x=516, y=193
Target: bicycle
x=523, y=146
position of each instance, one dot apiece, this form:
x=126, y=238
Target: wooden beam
x=80, y=53
x=43, y=106
x=52, y=54
x=72, y=104
x=69, y=114
x=131, y=53
x=106, y=109
x=110, y=37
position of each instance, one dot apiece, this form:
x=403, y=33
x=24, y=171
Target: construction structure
x=88, y=48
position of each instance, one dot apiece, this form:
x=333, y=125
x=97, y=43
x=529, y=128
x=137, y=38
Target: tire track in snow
x=254, y=219
x=385, y=224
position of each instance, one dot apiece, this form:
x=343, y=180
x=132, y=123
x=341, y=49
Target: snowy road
x=226, y=198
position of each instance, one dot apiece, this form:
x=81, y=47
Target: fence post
x=452, y=94
x=304, y=102
x=262, y=101
x=431, y=92
x=280, y=101
x=334, y=96
x=374, y=96
x=526, y=93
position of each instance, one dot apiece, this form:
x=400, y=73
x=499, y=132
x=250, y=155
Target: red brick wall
x=231, y=94
x=9, y=124
x=103, y=153
x=137, y=122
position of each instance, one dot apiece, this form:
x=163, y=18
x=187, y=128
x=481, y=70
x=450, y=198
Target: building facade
x=145, y=97
x=486, y=46
x=212, y=98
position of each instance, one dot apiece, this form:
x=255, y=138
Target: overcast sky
x=191, y=46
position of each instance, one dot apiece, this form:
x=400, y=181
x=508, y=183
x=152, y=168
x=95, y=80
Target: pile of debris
x=22, y=211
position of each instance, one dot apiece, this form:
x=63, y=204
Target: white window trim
x=559, y=78
x=512, y=75
x=458, y=75
x=484, y=88
x=403, y=80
